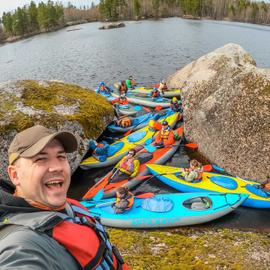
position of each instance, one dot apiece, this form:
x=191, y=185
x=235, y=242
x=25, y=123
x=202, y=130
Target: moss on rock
x=190, y=248
x=91, y=110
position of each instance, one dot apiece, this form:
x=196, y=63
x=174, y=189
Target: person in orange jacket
x=165, y=136
x=124, y=200
x=122, y=100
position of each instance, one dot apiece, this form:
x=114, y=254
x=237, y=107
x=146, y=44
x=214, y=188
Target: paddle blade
x=99, y=195
x=148, y=141
x=217, y=168
x=207, y=168
x=191, y=145
x=150, y=148
x=145, y=195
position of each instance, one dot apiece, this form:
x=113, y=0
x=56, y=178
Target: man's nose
x=55, y=165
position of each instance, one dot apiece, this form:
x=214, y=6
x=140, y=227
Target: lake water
x=148, y=50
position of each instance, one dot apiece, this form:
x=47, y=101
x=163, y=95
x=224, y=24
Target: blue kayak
x=140, y=121
x=167, y=210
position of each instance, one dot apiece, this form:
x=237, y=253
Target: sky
x=10, y=5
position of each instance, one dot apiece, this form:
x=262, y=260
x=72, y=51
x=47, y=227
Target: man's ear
x=13, y=174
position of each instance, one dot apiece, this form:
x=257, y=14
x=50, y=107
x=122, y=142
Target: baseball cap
x=31, y=141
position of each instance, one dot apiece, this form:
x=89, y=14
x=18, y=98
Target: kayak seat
x=144, y=157
x=224, y=181
x=198, y=203
x=137, y=136
x=115, y=148
x=123, y=106
x=257, y=191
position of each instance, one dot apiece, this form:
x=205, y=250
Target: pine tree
x=33, y=17
x=137, y=8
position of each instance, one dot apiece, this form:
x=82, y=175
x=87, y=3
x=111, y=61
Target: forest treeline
x=49, y=16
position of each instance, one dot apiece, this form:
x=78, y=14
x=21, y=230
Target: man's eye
x=40, y=159
x=62, y=157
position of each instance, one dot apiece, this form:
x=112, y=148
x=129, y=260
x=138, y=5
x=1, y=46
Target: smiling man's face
x=44, y=178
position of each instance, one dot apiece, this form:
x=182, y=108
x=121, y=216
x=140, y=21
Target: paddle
x=140, y=196
x=193, y=146
x=138, y=178
x=100, y=193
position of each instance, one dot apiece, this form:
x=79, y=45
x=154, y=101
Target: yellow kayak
x=120, y=148
x=147, y=91
x=171, y=176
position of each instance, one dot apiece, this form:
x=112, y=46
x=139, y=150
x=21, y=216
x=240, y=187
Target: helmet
x=164, y=123
x=163, y=81
x=155, y=89
x=174, y=99
x=101, y=83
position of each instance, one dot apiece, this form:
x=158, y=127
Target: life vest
x=155, y=94
x=82, y=236
x=199, y=172
x=164, y=134
x=99, y=145
x=123, y=101
x=127, y=165
x=122, y=89
x=129, y=198
x=125, y=122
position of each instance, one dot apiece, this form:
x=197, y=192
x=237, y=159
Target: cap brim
x=67, y=139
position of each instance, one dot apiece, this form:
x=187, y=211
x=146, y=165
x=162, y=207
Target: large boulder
x=56, y=105
x=227, y=110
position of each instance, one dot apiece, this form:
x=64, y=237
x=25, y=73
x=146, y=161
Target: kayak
x=146, y=100
x=157, y=156
x=213, y=182
x=147, y=91
x=140, y=121
x=119, y=148
x=127, y=109
x=167, y=210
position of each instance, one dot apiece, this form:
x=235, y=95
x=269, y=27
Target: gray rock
x=226, y=101
x=112, y=25
x=56, y=105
